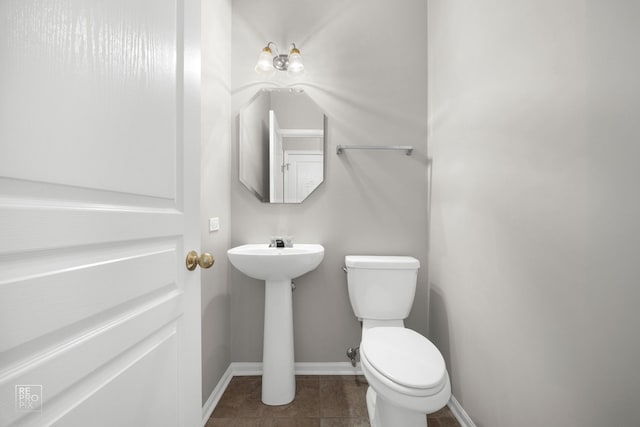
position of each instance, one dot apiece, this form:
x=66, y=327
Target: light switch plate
x=214, y=224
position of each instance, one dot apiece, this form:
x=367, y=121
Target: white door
x=275, y=159
x=99, y=139
x=303, y=173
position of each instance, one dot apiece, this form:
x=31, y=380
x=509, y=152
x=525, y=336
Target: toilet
x=406, y=373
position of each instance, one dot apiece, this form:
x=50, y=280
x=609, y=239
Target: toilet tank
x=381, y=287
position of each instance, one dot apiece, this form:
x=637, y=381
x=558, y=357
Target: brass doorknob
x=193, y=260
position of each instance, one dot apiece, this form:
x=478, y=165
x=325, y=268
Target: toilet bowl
x=407, y=376
x=406, y=373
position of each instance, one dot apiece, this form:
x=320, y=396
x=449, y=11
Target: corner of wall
x=215, y=189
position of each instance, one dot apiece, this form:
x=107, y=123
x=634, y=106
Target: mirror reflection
x=281, y=145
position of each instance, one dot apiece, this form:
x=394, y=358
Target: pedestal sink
x=277, y=266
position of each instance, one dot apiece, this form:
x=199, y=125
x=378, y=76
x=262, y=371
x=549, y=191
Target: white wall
x=533, y=116
x=215, y=188
x=370, y=202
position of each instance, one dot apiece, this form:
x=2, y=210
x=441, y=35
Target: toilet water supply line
x=352, y=353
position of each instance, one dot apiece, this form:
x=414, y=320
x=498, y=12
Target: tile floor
x=321, y=401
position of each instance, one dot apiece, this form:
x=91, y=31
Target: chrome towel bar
x=407, y=148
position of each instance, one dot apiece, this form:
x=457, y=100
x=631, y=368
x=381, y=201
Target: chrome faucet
x=280, y=242
x=276, y=243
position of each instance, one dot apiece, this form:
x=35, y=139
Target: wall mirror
x=281, y=145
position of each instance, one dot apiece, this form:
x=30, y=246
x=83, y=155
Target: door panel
x=155, y=407
x=99, y=139
x=70, y=293
x=118, y=60
x=304, y=172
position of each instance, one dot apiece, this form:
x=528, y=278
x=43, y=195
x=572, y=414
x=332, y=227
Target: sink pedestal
x=278, y=371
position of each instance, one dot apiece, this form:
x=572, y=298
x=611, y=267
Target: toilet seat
x=404, y=360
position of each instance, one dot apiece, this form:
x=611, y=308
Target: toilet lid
x=404, y=357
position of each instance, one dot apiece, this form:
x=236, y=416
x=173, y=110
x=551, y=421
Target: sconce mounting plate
x=281, y=62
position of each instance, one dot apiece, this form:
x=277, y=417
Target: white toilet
x=406, y=372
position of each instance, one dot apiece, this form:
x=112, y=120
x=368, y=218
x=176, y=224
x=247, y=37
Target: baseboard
x=301, y=368
x=335, y=368
x=216, y=394
x=461, y=415
x=243, y=369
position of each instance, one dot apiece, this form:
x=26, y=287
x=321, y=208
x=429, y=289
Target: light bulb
x=296, y=67
x=265, y=62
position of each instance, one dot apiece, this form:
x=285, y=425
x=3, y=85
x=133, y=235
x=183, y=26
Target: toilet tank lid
x=382, y=262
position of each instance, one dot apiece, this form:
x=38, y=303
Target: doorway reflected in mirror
x=281, y=145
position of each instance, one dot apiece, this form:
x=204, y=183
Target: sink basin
x=265, y=263
x=277, y=266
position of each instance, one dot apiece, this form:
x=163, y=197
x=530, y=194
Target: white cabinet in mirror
x=281, y=141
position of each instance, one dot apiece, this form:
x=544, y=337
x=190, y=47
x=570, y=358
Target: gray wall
x=534, y=109
x=215, y=188
x=366, y=69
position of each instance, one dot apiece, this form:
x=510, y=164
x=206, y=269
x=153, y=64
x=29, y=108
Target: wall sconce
x=268, y=62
